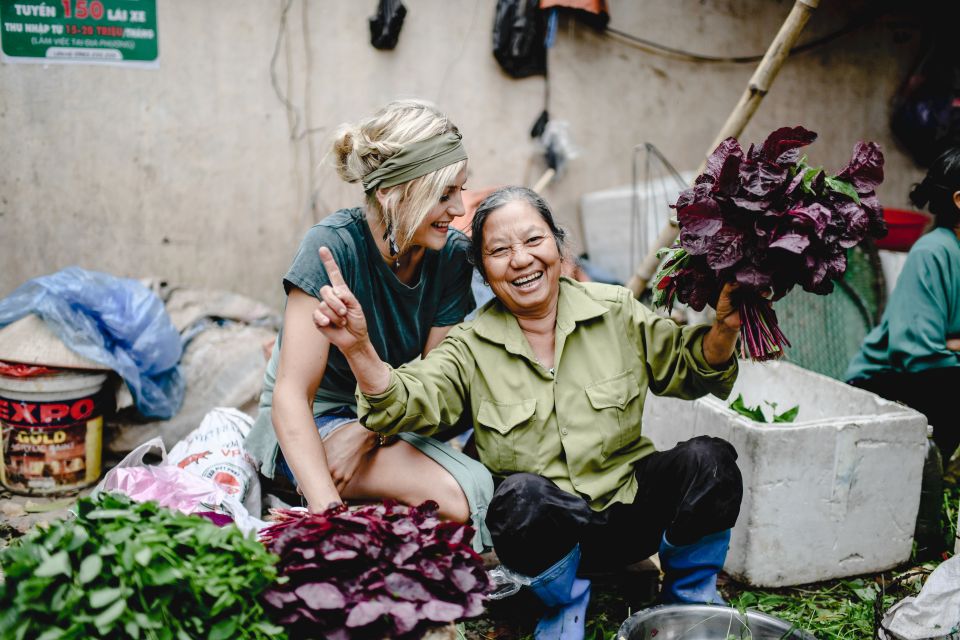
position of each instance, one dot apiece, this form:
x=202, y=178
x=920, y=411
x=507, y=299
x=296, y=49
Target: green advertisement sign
x=118, y=32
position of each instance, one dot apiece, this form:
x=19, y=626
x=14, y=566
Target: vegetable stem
x=760, y=335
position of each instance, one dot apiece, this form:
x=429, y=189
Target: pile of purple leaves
x=769, y=221
x=378, y=571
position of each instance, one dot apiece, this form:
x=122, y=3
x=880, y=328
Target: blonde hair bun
x=360, y=148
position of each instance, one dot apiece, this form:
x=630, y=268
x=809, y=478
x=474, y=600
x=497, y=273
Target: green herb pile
x=839, y=609
x=135, y=570
x=756, y=413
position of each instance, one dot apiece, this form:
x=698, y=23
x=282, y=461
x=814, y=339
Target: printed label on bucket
x=51, y=446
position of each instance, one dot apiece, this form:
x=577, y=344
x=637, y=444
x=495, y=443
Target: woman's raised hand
x=339, y=317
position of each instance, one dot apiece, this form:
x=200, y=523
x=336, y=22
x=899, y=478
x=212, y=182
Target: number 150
x=93, y=9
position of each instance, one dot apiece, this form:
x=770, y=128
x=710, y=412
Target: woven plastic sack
x=934, y=613
x=214, y=451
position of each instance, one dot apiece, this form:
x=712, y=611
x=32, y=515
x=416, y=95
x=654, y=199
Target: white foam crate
x=833, y=494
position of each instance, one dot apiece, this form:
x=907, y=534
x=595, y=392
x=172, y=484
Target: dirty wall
x=207, y=170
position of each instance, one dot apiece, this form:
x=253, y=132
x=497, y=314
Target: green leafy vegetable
x=787, y=416
x=128, y=570
x=757, y=415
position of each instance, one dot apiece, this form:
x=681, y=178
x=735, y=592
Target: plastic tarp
x=116, y=322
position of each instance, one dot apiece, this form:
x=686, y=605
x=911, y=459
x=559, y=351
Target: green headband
x=415, y=160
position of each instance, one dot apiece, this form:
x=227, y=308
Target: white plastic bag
x=506, y=582
x=214, y=450
x=933, y=614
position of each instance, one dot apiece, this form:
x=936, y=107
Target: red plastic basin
x=903, y=229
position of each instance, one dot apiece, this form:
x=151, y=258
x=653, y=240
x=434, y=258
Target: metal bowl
x=706, y=622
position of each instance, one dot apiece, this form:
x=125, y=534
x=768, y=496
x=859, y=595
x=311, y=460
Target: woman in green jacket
x=554, y=374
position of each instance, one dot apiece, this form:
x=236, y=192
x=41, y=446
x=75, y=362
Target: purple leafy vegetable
x=378, y=571
x=769, y=221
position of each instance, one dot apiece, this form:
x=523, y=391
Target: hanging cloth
x=386, y=24
x=519, y=30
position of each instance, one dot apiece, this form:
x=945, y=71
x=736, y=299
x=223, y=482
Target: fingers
x=334, y=300
x=325, y=318
x=333, y=271
x=338, y=286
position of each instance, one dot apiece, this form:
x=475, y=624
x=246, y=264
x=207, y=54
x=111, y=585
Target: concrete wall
x=196, y=171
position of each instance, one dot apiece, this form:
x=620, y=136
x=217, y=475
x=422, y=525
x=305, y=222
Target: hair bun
x=344, y=154
x=361, y=147
x=920, y=194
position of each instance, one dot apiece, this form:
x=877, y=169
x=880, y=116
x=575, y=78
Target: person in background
x=411, y=276
x=913, y=355
x=553, y=374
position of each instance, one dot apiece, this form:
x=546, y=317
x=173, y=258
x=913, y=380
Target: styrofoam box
x=956, y=540
x=619, y=253
x=833, y=494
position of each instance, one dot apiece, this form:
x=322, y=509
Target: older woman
x=554, y=374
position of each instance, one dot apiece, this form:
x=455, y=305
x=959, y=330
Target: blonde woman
x=411, y=274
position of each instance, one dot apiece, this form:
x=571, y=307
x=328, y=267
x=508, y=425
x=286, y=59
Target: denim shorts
x=326, y=425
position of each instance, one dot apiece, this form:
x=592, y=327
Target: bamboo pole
x=757, y=88
x=544, y=180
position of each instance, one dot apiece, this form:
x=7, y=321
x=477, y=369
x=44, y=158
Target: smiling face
x=521, y=259
x=432, y=232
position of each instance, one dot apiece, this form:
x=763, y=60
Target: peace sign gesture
x=339, y=317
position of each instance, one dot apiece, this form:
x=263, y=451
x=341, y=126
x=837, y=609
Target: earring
x=391, y=237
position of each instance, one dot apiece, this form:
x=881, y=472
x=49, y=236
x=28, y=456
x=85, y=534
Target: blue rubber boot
x=566, y=595
x=690, y=571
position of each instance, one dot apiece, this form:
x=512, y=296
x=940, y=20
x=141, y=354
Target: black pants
x=688, y=492
x=931, y=393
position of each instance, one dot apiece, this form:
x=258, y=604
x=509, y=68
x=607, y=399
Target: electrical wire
x=656, y=48
x=292, y=112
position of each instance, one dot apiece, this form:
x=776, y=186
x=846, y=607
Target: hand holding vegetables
x=721, y=341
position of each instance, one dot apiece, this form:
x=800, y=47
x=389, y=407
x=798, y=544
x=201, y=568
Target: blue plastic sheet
x=116, y=322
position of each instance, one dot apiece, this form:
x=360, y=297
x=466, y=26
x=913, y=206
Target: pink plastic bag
x=173, y=487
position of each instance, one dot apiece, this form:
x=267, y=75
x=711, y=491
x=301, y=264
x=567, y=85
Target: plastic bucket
x=903, y=229
x=52, y=427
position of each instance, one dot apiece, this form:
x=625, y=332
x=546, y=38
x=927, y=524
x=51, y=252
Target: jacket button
x=563, y=432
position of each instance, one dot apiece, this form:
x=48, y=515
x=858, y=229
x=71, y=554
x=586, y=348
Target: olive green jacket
x=580, y=426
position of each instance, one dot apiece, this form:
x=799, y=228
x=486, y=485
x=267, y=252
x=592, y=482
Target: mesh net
x=826, y=331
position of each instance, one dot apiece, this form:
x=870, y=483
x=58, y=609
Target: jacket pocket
x=614, y=401
x=508, y=434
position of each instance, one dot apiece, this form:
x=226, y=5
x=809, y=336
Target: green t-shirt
x=922, y=313
x=399, y=317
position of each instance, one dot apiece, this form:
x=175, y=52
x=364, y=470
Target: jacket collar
x=498, y=325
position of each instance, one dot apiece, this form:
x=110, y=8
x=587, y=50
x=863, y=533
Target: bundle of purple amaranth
x=768, y=221
x=378, y=571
